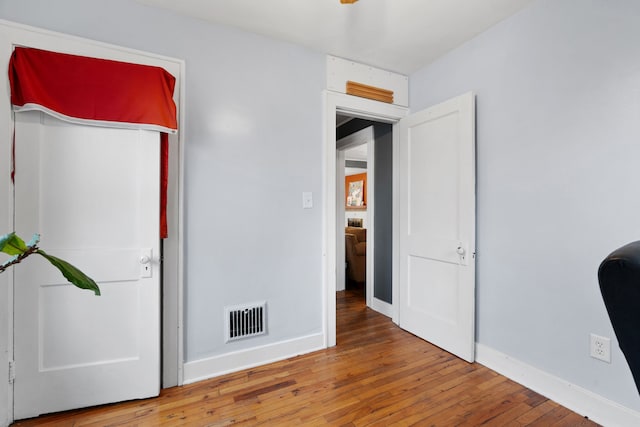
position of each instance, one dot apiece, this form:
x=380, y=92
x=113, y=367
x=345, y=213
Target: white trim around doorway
x=368, y=109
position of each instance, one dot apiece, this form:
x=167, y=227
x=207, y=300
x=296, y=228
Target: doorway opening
x=358, y=198
x=356, y=109
x=433, y=237
x=354, y=204
x=364, y=202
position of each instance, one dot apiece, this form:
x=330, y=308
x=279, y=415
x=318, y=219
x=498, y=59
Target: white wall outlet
x=600, y=348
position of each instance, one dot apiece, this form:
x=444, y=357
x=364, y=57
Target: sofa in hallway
x=356, y=253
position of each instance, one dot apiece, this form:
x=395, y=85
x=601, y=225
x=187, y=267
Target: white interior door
x=437, y=225
x=93, y=194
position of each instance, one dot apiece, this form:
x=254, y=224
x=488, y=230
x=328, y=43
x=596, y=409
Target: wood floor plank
x=377, y=375
x=536, y=412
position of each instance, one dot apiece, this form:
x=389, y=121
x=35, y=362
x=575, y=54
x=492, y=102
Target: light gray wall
x=247, y=236
x=558, y=152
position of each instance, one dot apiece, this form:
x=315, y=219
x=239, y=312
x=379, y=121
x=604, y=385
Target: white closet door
x=93, y=194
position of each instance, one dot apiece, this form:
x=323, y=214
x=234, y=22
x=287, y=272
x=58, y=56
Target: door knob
x=146, y=257
x=460, y=250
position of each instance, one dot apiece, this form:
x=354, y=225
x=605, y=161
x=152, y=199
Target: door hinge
x=12, y=371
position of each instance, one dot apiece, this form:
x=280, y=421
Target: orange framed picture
x=355, y=189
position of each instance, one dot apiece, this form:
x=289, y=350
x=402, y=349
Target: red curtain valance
x=97, y=92
x=104, y=92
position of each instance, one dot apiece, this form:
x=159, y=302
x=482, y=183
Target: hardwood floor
x=377, y=375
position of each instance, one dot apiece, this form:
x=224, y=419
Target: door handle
x=462, y=253
x=146, y=269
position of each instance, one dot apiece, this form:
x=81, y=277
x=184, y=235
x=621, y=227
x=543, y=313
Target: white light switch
x=307, y=200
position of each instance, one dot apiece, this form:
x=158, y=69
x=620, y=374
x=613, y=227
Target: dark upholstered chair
x=355, y=240
x=619, y=277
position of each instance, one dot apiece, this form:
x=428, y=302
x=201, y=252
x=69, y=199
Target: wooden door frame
x=368, y=109
x=12, y=34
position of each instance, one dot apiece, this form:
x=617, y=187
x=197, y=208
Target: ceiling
x=396, y=35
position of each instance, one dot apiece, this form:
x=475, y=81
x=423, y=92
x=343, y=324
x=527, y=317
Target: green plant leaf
x=71, y=273
x=4, y=239
x=12, y=244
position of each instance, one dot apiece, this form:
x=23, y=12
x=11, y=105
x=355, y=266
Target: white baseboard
x=210, y=367
x=382, y=307
x=582, y=401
